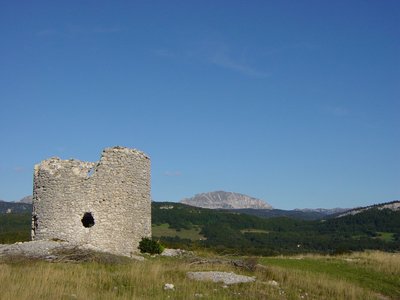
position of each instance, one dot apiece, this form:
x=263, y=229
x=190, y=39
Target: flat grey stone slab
x=225, y=277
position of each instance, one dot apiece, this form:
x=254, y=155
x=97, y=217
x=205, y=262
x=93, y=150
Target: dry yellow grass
x=145, y=280
x=381, y=261
x=309, y=285
x=136, y=280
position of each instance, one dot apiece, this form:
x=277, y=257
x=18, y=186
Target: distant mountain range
x=318, y=213
x=225, y=200
x=323, y=211
x=26, y=199
x=308, y=214
x=21, y=206
x=394, y=206
x=14, y=207
x=252, y=206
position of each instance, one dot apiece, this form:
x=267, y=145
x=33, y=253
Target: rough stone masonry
x=105, y=205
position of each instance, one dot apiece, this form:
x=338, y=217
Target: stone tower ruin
x=105, y=204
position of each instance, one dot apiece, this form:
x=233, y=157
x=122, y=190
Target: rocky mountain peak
x=225, y=200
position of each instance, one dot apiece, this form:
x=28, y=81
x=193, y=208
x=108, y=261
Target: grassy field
x=375, y=272
x=164, y=230
x=386, y=236
x=371, y=275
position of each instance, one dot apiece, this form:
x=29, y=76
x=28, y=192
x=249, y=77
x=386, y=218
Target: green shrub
x=147, y=245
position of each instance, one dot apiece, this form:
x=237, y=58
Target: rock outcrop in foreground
x=57, y=251
x=225, y=200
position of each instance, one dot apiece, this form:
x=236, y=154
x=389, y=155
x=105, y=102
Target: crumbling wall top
x=82, y=168
x=126, y=150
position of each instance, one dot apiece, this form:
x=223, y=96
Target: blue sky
x=293, y=102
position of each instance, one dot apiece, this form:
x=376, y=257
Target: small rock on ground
x=169, y=286
x=272, y=282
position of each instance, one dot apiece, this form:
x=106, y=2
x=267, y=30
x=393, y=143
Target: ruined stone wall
x=106, y=204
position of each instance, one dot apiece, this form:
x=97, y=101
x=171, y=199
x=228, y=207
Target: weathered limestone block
x=106, y=204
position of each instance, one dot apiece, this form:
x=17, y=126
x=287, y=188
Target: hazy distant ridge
x=226, y=200
x=324, y=211
x=27, y=199
x=394, y=205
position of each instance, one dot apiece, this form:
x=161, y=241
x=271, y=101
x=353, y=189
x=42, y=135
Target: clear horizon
x=295, y=103
x=294, y=208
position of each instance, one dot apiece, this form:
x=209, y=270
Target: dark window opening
x=87, y=220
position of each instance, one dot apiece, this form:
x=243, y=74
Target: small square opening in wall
x=91, y=172
x=87, y=220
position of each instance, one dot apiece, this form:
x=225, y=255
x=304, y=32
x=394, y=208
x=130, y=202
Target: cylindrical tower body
x=106, y=204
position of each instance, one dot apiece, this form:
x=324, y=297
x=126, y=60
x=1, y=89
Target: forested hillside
x=15, y=228
x=235, y=232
